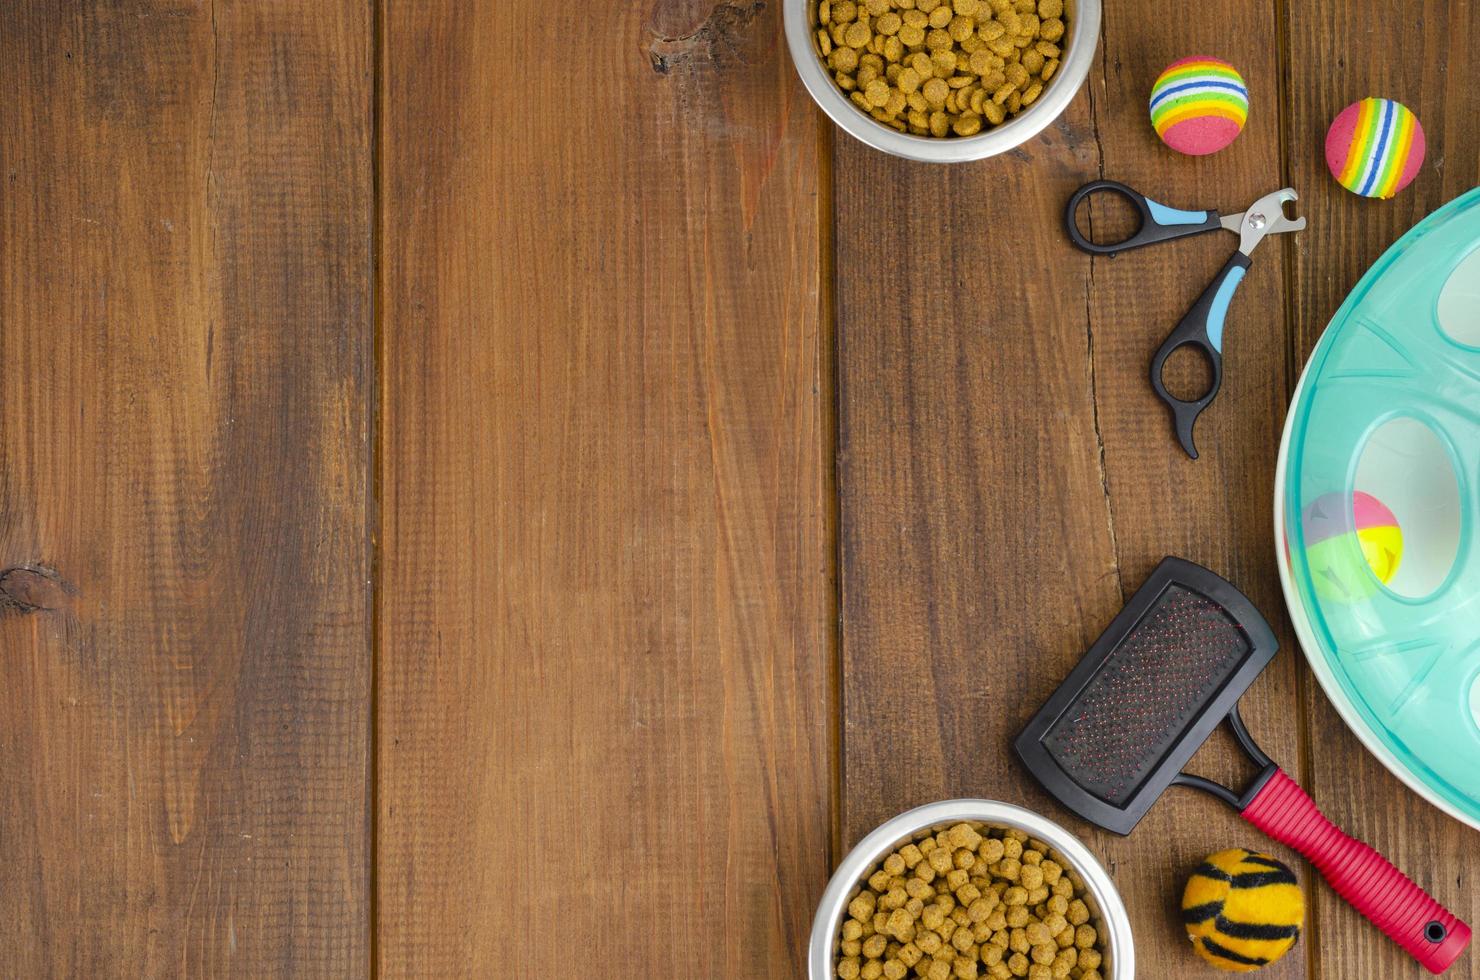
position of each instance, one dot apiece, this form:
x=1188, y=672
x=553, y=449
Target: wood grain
x=184, y=360
x=604, y=658
x=1214, y=510
x=1008, y=477
x=1431, y=67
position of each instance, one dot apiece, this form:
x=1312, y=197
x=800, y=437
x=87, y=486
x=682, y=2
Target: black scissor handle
x=1202, y=328
x=1159, y=223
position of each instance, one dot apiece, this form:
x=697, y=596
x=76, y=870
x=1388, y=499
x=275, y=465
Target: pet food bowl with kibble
x=1376, y=509
x=1107, y=912
x=1083, y=20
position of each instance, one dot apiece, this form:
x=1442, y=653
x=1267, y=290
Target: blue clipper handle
x=1202, y=327
x=1159, y=223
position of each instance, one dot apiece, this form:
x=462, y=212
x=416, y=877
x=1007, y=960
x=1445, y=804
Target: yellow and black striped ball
x=1243, y=910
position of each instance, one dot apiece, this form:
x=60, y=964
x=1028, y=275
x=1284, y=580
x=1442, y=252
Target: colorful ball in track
x=1375, y=147
x=1199, y=105
x=1242, y=910
x=1346, y=538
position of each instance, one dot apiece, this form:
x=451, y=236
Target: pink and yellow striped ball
x=1375, y=147
x=1198, y=105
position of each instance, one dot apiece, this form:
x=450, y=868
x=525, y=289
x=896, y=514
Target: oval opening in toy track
x=1406, y=466
x=1459, y=302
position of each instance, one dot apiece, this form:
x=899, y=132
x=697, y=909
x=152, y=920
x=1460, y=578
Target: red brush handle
x=1411, y=918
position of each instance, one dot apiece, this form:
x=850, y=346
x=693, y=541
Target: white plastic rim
x=1082, y=39
x=1311, y=647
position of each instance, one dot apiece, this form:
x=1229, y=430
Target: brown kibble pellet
x=929, y=943
x=1017, y=941
x=895, y=969
x=858, y=35
x=872, y=970
x=1030, y=95
x=1091, y=975
x=1049, y=67
x=1039, y=971
x=851, y=948
x=1017, y=915
x=843, y=59
x=873, y=946
x=848, y=968
x=978, y=910
x=1030, y=876
x=1085, y=936
x=1018, y=964
x=1044, y=953
x=963, y=968
x=1051, y=29
x=1032, y=61
x=1089, y=959
x=1078, y=913
x=935, y=92
x=1065, y=939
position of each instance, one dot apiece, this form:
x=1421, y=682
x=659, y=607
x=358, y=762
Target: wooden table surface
x=501, y=489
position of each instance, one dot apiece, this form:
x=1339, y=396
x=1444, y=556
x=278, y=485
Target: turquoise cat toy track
x=1389, y=405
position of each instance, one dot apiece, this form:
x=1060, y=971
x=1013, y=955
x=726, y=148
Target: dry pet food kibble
x=941, y=67
x=970, y=901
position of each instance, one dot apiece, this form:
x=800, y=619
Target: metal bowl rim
x=892, y=832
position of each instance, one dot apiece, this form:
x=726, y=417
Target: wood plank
x=604, y=659
x=1008, y=477
x=1215, y=510
x=1431, y=67
x=185, y=344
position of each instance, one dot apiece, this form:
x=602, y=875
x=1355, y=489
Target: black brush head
x=1148, y=693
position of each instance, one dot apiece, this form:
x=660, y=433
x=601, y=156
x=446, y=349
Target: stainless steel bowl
x=1107, y=912
x=1079, y=52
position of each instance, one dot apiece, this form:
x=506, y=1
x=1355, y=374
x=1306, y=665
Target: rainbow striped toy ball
x=1375, y=147
x=1198, y=105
